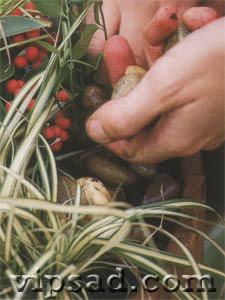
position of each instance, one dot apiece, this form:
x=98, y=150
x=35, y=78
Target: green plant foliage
x=14, y=25
x=6, y=70
x=35, y=228
x=2, y=111
x=49, y=47
x=81, y=47
x=50, y=8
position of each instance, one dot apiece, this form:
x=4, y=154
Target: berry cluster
x=57, y=132
x=30, y=8
x=34, y=54
x=13, y=87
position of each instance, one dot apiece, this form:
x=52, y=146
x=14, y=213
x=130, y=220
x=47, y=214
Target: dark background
x=214, y=170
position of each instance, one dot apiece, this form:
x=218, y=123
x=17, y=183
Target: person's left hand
x=128, y=18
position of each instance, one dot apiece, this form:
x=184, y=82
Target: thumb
x=124, y=117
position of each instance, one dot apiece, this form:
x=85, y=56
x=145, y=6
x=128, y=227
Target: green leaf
x=76, y=2
x=2, y=111
x=64, y=73
x=6, y=71
x=93, y=61
x=13, y=25
x=49, y=47
x=81, y=47
x=50, y=8
x=97, y=7
x=96, y=13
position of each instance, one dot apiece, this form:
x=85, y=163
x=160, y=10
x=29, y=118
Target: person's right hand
x=184, y=89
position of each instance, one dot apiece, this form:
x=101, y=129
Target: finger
x=218, y=5
x=134, y=17
x=174, y=135
x=196, y=17
x=118, y=56
x=124, y=117
x=162, y=25
x=112, y=20
x=157, y=30
x=181, y=6
x=147, y=147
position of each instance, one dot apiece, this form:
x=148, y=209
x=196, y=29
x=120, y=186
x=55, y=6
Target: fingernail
x=96, y=132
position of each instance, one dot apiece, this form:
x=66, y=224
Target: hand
x=184, y=89
x=128, y=18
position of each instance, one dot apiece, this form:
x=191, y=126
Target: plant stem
x=42, y=37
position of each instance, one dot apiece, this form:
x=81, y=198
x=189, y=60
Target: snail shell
x=128, y=82
x=94, y=192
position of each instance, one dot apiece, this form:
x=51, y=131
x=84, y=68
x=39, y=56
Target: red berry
x=63, y=122
x=17, y=92
x=18, y=38
x=57, y=130
x=30, y=105
x=33, y=33
x=62, y=96
x=7, y=105
x=16, y=12
x=20, y=83
x=59, y=114
x=42, y=55
x=30, y=6
x=48, y=133
x=36, y=63
x=32, y=53
x=64, y=136
x=20, y=61
x=57, y=146
x=11, y=86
